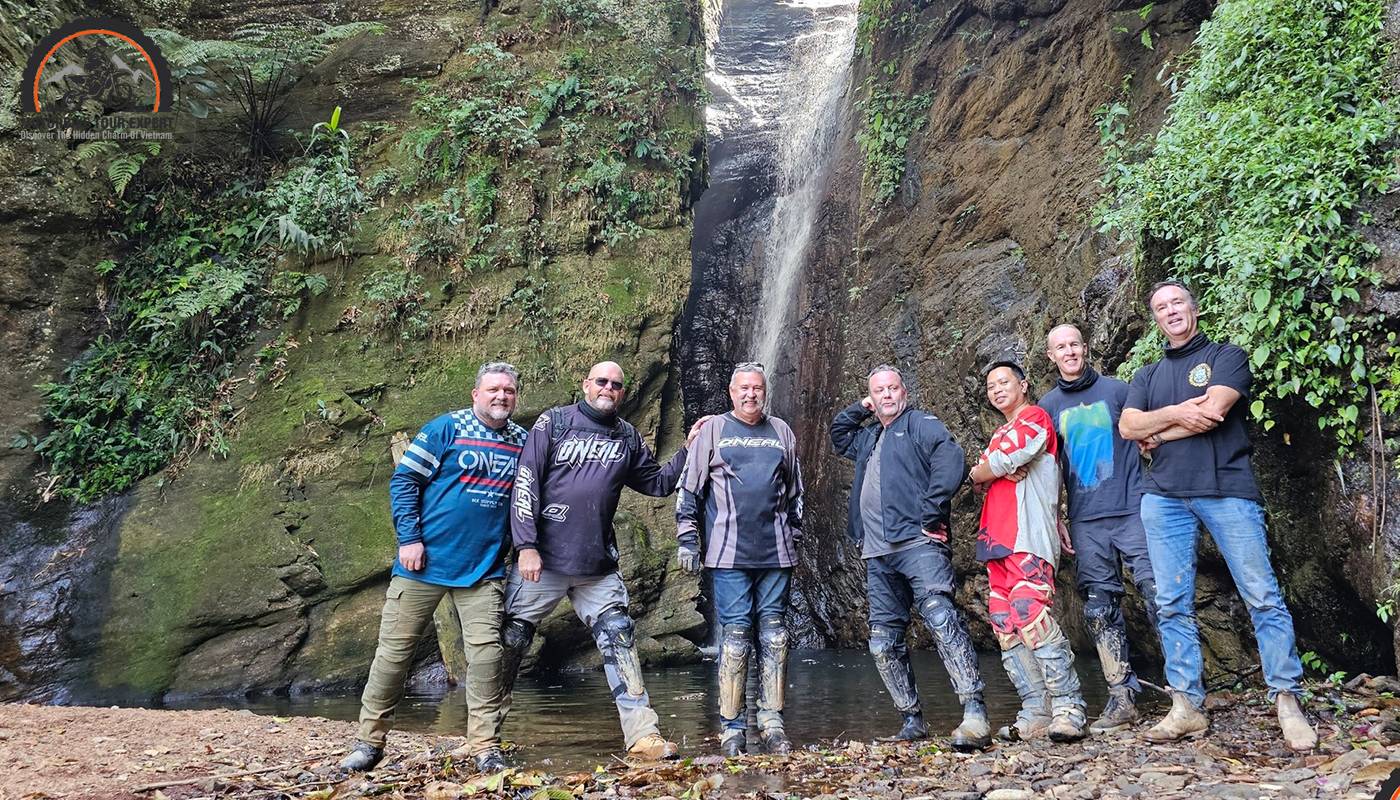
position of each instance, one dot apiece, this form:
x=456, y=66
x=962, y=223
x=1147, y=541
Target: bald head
x=1064, y=345
x=604, y=387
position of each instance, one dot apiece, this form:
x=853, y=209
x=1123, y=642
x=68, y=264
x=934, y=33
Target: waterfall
x=816, y=83
x=777, y=72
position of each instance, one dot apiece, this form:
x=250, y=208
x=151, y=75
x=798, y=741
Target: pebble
x=978, y=770
x=1236, y=791
x=1008, y=794
x=1167, y=783
x=1294, y=775
x=1347, y=761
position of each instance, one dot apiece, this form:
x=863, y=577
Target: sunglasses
x=602, y=383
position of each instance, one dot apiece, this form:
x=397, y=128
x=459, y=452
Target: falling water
x=776, y=73
x=810, y=113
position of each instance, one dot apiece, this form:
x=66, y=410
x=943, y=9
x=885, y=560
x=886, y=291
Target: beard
x=497, y=413
x=607, y=405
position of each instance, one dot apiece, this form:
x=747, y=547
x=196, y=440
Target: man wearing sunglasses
x=577, y=459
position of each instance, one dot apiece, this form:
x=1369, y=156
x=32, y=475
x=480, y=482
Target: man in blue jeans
x=743, y=485
x=1187, y=412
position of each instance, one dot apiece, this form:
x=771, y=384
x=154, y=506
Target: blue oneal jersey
x=451, y=491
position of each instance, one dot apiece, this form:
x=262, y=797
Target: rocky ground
x=90, y=753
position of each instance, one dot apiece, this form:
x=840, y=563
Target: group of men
x=1143, y=466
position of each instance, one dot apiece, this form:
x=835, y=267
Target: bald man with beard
x=576, y=461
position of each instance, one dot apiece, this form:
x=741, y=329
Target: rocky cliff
x=976, y=238
x=264, y=569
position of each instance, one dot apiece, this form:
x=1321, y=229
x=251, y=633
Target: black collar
x=606, y=420
x=1084, y=381
x=1195, y=343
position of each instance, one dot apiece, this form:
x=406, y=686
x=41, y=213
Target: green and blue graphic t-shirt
x=1102, y=470
x=451, y=491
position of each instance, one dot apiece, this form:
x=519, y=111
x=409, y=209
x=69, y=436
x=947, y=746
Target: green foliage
x=888, y=121
x=1386, y=604
x=876, y=16
x=315, y=204
x=249, y=76
x=194, y=283
x=122, y=163
x=398, y=303
x=615, y=200
x=265, y=49
x=289, y=290
x=1252, y=193
x=155, y=385
x=1315, y=662
x=601, y=124
x=570, y=13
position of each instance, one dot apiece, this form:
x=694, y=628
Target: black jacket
x=921, y=468
x=570, y=479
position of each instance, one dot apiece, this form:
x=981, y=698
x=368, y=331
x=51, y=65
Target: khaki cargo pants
x=408, y=608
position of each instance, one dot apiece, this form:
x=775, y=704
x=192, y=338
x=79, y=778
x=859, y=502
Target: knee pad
x=615, y=627
x=885, y=642
x=615, y=634
x=517, y=634
x=937, y=610
x=772, y=633
x=1102, y=610
x=734, y=641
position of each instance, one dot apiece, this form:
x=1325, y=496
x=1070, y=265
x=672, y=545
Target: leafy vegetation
x=888, y=121
x=600, y=124
x=250, y=75
x=314, y=205
x=121, y=163
x=1254, y=190
x=398, y=302
x=876, y=16
x=506, y=166
x=197, y=280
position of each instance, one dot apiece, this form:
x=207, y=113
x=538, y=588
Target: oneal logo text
x=750, y=441
x=524, y=494
x=588, y=449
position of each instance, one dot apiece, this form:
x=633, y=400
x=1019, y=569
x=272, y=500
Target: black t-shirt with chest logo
x=1211, y=464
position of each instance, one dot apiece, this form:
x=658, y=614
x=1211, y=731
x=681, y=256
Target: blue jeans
x=743, y=597
x=1237, y=526
x=739, y=593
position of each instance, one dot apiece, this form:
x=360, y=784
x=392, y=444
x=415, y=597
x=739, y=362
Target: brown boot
x=1182, y=721
x=652, y=748
x=1298, y=734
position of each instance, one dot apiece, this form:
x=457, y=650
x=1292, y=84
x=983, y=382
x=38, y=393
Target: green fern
x=88, y=151
x=121, y=169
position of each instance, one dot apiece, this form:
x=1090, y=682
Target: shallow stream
x=568, y=722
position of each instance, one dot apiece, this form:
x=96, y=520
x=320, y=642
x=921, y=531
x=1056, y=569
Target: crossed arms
x=1178, y=421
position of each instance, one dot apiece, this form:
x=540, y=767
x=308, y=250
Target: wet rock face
x=53, y=580
x=986, y=246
